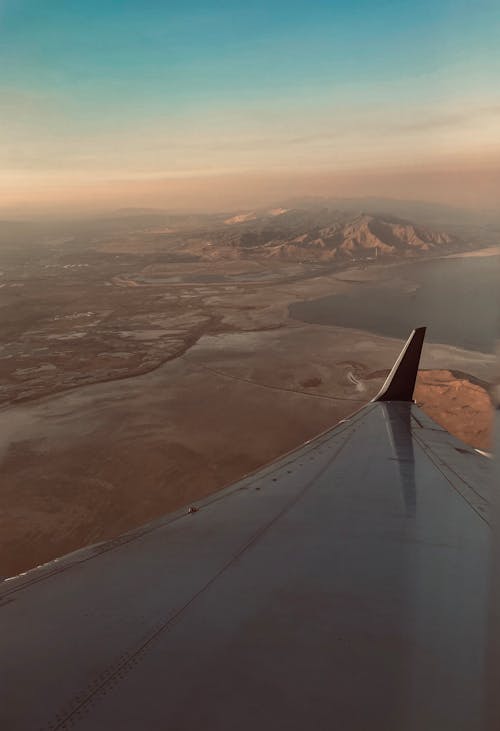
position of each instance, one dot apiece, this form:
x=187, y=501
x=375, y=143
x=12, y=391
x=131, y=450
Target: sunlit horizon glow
x=215, y=105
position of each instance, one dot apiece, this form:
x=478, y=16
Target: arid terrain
x=147, y=360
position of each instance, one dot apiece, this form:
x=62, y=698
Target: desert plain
x=135, y=381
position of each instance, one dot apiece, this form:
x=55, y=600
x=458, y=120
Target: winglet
x=400, y=382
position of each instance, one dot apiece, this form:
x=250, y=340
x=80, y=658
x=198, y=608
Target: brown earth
x=91, y=463
x=462, y=407
x=131, y=387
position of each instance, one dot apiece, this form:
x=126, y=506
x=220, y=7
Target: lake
x=456, y=298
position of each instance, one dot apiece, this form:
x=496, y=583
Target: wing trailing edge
x=400, y=382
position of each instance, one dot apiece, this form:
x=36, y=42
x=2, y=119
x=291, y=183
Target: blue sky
x=232, y=48
x=192, y=86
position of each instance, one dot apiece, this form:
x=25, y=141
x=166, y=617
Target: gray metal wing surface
x=343, y=586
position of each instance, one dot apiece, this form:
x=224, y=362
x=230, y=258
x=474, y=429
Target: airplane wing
x=344, y=586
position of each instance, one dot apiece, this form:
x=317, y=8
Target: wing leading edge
x=343, y=585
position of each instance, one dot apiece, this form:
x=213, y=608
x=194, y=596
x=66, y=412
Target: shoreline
x=251, y=307
x=476, y=253
x=91, y=461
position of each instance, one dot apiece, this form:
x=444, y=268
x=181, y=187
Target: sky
x=220, y=104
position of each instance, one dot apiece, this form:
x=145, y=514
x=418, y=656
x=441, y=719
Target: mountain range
x=325, y=235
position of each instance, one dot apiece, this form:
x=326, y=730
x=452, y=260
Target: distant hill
x=327, y=235
x=314, y=232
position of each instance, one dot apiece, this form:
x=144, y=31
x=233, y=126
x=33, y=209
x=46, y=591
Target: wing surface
x=343, y=586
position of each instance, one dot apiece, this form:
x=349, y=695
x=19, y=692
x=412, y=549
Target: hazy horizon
x=245, y=192
x=212, y=108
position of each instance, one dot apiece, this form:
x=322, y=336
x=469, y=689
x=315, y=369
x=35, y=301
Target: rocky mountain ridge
x=326, y=235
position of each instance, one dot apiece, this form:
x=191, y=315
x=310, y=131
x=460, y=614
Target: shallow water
x=455, y=298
